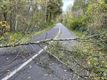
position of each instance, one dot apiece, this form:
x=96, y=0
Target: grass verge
x=12, y=38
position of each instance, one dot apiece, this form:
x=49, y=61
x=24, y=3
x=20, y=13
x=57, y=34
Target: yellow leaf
x=88, y=62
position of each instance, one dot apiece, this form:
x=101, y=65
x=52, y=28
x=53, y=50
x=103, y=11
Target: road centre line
x=29, y=60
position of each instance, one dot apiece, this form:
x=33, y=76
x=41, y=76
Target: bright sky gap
x=67, y=3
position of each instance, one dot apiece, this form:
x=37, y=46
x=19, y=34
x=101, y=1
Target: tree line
x=28, y=15
x=89, y=18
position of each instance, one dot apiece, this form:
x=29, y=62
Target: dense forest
x=88, y=19
x=20, y=19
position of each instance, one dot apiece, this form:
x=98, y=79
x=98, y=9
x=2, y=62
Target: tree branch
x=37, y=42
x=45, y=41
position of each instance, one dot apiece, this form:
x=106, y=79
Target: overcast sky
x=67, y=3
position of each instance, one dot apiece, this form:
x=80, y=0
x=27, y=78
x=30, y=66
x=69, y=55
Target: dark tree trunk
x=5, y=16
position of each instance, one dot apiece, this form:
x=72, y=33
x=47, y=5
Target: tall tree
x=54, y=8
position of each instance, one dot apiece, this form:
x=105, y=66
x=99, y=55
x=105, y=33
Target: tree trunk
x=5, y=16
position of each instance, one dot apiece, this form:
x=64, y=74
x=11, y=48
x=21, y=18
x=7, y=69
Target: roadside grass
x=13, y=38
x=92, y=50
x=79, y=34
x=40, y=32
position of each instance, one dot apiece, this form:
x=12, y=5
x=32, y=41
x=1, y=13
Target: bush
x=78, y=24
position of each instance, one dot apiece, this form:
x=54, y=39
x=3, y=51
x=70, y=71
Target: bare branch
x=67, y=66
x=37, y=42
x=46, y=41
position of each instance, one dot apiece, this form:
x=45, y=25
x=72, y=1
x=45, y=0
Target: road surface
x=44, y=67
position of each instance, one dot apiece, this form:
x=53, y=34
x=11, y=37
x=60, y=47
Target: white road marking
x=29, y=60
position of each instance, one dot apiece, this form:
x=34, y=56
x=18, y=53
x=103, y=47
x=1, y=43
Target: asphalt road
x=44, y=67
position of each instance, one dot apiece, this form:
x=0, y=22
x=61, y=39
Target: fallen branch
x=66, y=66
x=37, y=42
x=45, y=41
